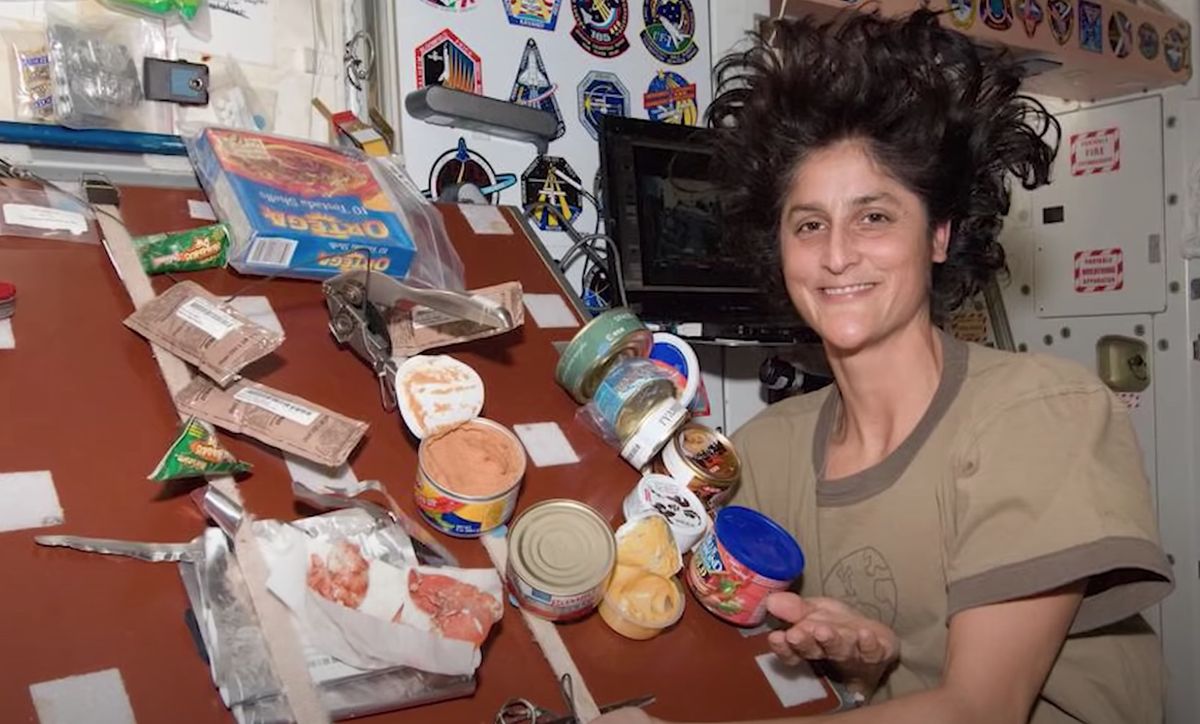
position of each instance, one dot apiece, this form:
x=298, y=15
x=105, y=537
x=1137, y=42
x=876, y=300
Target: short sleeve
x=746, y=493
x=1047, y=491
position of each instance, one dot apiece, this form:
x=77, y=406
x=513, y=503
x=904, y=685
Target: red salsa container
x=744, y=558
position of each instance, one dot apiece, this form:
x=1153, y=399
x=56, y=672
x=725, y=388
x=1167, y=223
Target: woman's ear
x=941, y=241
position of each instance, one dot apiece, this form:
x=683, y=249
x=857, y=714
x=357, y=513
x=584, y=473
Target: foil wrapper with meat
x=349, y=576
x=371, y=613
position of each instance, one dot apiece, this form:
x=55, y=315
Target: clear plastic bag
x=232, y=101
x=96, y=69
x=29, y=210
x=189, y=11
x=32, y=81
x=306, y=210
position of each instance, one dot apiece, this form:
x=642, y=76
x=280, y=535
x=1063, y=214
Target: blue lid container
x=759, y=543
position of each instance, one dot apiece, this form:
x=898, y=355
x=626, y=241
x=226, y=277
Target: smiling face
x=857, y=249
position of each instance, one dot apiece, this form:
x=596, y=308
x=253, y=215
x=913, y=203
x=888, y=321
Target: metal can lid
x=562, y=547
x=7, y=291
x=759, y=543
x=435, y=392
x=603, y=339
x=708, y=453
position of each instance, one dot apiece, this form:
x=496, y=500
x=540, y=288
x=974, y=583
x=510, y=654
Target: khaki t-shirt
x=1023, y=475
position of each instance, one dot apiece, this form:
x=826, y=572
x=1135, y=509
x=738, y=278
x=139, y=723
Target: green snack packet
x=187, y=9
x=197, y=452
x=180, y=251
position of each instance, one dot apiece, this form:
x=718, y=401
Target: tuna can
x=560, y=556
x=468, y=477
x=742, y=560
x=614, y=334
x=705, y=461
x=630, y=390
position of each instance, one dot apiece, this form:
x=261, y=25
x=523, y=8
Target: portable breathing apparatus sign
x=1095, y=151
x=1099, y=270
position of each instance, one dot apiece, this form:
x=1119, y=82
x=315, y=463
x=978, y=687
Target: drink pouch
x=197, y=452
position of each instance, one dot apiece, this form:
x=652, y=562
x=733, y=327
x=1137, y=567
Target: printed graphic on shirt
x=864, y=580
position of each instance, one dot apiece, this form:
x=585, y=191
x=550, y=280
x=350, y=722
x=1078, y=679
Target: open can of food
x=704, y=460
x=469, y=468
x=560, y=556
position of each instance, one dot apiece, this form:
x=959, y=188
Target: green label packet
x=197, y=452
x=181, y=251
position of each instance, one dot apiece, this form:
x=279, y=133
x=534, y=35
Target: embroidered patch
x=671, y=99
x=962, y=13
x=456, y=5
x=1031, y=15
x=1147, y=41
x=464, y=165
x=1175, y=49
x=1120, y=34
x=532, y=86
x=601, y=94
x=600, y=26
x=1091, y=31
x=538, y=14
x=1062, y=17
x=550, y=181
x=670, y=27
x=996, y=14
x=446, y=60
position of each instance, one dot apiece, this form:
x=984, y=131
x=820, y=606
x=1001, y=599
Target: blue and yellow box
x=296, y=209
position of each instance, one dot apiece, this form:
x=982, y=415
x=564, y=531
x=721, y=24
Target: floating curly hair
x=935, y=112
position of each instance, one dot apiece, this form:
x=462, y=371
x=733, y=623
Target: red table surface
x=83, y=399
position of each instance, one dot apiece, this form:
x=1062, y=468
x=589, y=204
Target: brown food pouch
x=281, y=420
x=200, y=329
x=417, y=328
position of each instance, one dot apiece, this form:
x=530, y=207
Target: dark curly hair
x=940, y=115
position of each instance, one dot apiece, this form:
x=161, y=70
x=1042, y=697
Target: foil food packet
x=197, y=452
x=276, y=418
x=199, y=328
x=415, y=328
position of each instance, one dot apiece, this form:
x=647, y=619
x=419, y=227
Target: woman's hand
x=861, y=649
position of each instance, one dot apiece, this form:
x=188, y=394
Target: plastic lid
x=436, y=392
x=674, y=353
x=7, y=291
x=761, y=544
